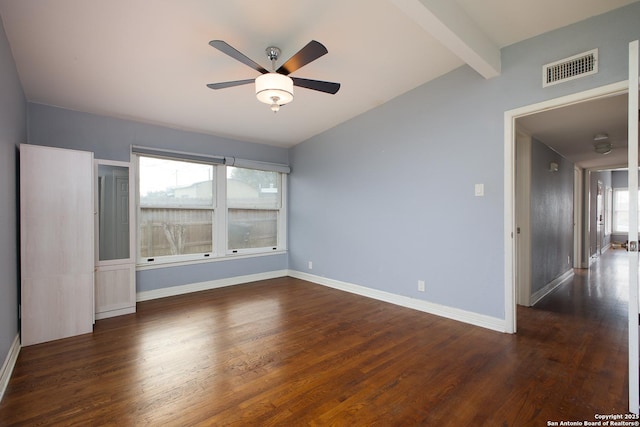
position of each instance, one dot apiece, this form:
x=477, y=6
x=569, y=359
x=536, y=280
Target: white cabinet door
x=56, y=243
x=115, y=290
x=115, y=263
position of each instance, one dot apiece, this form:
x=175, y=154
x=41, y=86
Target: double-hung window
x=254, y=200
x=177, y=208
x=190, y=210
x=621, y=210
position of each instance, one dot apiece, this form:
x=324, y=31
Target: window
x=192, y=210
x=253, y=202
x=621, y=210
x=176, y=207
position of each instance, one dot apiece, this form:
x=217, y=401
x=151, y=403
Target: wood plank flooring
x=291, y=353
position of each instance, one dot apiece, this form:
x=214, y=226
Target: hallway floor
x=581, y=329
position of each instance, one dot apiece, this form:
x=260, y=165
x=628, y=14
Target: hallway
x=600, y=292
x=581, y=328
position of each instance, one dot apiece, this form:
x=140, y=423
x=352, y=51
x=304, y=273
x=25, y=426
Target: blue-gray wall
x=551, y=216
x=13, y=131
x=387, y=198
x=620, y=179
x=111, y=139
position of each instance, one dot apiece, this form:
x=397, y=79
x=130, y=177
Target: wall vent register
x=566, y=69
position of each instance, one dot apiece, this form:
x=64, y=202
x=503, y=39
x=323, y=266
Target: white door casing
x=634, y=361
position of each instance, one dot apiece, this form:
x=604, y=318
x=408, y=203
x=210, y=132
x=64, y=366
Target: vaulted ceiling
x=150, y=60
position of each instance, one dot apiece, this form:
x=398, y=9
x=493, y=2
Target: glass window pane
x=622, y=200
x=250, y=228
x=113, y=212
x=175, y=232
x=252, y=189
x=622, y=221
x=172, y=183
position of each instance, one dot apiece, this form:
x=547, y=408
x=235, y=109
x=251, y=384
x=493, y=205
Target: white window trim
x=220, y=219
x=220, y=232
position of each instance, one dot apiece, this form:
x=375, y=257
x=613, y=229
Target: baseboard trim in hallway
x=9, y=364
x=551, y=286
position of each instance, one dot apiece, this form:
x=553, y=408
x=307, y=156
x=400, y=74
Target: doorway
x=596, y=196
x=631, y=88
x=511, y=262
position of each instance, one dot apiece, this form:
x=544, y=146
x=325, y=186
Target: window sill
x=228, y=257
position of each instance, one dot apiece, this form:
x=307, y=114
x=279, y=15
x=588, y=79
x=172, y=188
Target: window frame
x=220, y=250
x=608, y=217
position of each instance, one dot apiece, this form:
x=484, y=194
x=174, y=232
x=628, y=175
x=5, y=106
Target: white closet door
x=115, y=277
x=56, y=239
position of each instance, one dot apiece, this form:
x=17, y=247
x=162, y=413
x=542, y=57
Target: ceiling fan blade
x=224, y=47
x=312, y=51
x=229, y=84
x=327, y=87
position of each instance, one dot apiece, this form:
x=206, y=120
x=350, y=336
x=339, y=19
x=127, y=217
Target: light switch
x=479, y=190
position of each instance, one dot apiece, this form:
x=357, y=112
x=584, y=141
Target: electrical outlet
x=421, y=285
x=310, y=265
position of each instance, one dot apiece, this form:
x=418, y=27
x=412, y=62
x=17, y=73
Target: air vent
x=571, y=68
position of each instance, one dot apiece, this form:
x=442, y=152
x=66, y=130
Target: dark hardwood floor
x=288, y=352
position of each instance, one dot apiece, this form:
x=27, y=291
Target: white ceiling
x=149, y=60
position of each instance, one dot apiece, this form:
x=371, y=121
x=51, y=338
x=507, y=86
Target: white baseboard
x=9, y=364
x=551, y=286
x=211, y=284
x=416, y=304
x=114, y=313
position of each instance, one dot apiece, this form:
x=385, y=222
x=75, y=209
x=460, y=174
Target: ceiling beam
x=448, y=23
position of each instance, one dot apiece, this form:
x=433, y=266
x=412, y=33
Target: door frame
x=632, y=124
x=599, y=217
x=578, y=209
x=510, y=117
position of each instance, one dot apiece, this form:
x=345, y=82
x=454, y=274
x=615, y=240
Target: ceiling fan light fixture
x=274, y=89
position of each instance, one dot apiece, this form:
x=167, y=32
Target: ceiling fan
x=276, y=87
